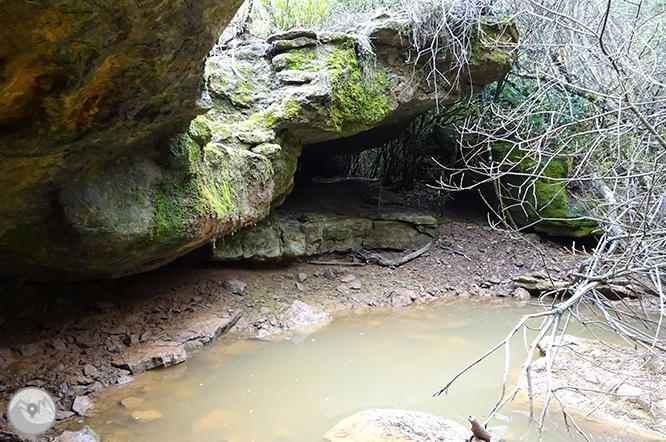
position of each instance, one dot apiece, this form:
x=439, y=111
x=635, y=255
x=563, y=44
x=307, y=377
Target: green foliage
x=400, y=162
x=266, y=17
x=552, y=106
x=270, y=16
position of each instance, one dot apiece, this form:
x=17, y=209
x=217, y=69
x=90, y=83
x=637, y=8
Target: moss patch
x=547, y=199
x=358, y=101
x=301, y=60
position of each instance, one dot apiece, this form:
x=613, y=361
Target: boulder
x=91, y=92
x=384, y=425
x=203, y=332
x=299, y=319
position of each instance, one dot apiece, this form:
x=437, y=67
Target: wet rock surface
x=385, y=425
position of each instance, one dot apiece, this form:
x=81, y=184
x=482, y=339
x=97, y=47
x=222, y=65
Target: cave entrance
x=371, y=191
x=386, y=168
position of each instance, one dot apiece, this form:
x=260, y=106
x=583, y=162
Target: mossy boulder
x=548, y=204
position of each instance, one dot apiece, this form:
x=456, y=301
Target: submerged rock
x=146, y=416
x=383, y=425
x=132, y=402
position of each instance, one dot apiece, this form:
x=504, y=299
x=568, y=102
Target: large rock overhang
x=104, y=182
x=84, y=83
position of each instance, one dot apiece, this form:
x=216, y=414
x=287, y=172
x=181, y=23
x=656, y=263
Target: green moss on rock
x=301, y=60
x=549, y=206
x=358, y=101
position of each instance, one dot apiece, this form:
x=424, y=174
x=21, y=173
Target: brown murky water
x=294, y=390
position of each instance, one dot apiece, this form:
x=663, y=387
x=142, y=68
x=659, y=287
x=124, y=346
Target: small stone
x=90, y=370
x=132, y=402
x=401, y=297
x=146, y=416
x=59, y=344
x=30, y=349
x=355, y=285
x=64, y=388
x=301, y=277
x=87, y=340
x=124, y=379
x=494, y=280
x=348, y=278
x=300, y=287
x=35, y=383
x=197, y=300
x=328, y=274
x=342, y=289
x=81, y=380
x=82, y=405
x=61, y=415
x=521, y=294
x=235, y=286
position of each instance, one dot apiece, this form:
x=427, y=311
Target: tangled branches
x=580, y=125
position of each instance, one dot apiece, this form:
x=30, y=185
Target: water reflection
x=282, y=390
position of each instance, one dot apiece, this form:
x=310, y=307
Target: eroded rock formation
x=87, y=91
x=99, y=175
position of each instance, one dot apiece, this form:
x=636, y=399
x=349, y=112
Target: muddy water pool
x=296, y=389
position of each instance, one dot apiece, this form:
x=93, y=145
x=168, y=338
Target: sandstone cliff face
x=102, y=177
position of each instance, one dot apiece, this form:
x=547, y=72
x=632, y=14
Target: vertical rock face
x=101, y=174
